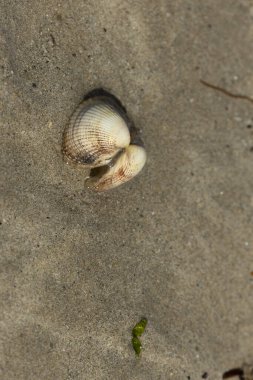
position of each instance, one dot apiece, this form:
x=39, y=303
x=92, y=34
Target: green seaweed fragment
x=139, y=328
x=137, y=331
x=136, y=345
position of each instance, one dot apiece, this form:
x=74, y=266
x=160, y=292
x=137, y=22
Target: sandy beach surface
x=175, y=245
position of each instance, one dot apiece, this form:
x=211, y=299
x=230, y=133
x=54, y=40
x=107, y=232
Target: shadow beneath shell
x=101, y=92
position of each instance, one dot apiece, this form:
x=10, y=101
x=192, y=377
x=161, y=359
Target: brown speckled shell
x=129, y=163
x=100, y=136
x=97, y=131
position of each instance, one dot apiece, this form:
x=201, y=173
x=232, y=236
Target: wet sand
x=175, y=245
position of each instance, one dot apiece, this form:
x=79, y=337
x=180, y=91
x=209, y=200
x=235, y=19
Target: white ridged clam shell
x=97, y=131
x=100, y=136
x=126, y=166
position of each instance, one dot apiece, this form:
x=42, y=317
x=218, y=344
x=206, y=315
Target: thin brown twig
x=226, y=92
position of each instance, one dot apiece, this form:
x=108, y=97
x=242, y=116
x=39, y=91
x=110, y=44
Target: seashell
x=97, y=131
x=101, y=136
x=127, y=165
